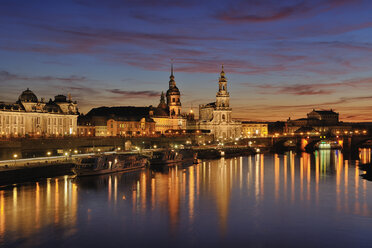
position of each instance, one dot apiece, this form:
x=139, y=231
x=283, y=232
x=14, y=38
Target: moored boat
x=172, y=157
x=104, y=164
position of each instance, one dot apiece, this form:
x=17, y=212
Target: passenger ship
x=109, y=163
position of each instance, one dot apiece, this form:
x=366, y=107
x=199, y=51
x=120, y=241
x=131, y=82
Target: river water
x=290, y=200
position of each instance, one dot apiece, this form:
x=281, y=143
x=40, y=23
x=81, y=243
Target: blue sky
x=282, y=58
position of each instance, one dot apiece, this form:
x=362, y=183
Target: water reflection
x=25, y=210
x=213, y=199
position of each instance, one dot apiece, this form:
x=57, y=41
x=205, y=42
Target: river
x=290, y=200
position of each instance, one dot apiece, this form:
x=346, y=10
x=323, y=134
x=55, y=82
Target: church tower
x=173, y=97
x=222, y=97
x=162, y=103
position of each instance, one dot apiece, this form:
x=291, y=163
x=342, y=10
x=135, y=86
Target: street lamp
x=49, y=153
x=15, y=158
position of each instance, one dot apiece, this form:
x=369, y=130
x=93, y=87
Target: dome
x=173, y=91
x=28, y=96
x=60, y=98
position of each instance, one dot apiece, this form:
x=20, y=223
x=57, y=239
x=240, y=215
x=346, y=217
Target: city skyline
x=281, y=60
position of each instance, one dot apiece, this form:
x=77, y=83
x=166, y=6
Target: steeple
x=222, y=75
x=172, y=83
x=173, y=96
x=162, y=97
x=162, y=103
x=223, y=96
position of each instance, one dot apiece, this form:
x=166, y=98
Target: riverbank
x=33, y=173
x=25, y=171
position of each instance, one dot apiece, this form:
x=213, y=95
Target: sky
x=281, y=58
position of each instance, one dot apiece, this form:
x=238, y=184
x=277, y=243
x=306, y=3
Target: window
x=173, y=99
x=223, y=117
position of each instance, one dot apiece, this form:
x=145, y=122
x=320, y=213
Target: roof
x=209, y=105
x=11, y=106
x=28, y=96
x=254, y=122
x=161, y=112
x=129, y=113
x=325, y=112
x=173, y=91
x=52, y=107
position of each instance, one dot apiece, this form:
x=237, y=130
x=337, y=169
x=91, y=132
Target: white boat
x=104, y=164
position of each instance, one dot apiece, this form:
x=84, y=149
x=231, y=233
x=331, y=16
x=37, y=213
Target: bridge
x=277, y=143
x=49, y=147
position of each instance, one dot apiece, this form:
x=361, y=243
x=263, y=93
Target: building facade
x=252, y=128
x=217, y=116
x=131, y=126
x=168, y=115
x=165, y=118
x=33, y=118
x=318, y=122
x=120, y=121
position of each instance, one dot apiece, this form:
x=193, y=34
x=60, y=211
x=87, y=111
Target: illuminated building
x=251, y=128
x=318, y=122
x=34, y=118
x=129, y=120
x=165, y=118
x=121, y=121
x=167, y=115
x=85, y=127
x=130, y=125
x=216, y=116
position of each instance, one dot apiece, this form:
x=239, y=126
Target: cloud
x=6, y=76
x=269, y=10
x=135, y=94
x=312, y=88
x=118, y=4
x=245, y=14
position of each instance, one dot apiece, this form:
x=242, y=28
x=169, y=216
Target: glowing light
x=15, y=156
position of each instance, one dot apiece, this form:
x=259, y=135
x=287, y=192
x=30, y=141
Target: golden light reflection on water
x=2, y=216
x=29, y=208
x=294, y=179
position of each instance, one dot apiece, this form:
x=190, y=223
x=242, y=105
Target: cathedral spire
x=162, y=97
x=172, y=83
x=222, y=75
x=162, y=103
x=172, y=68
